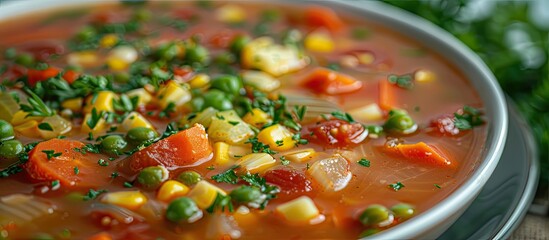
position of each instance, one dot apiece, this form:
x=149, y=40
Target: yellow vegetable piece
x=132, y=200
x=58, y=124
x=227, y=127
x=256, y=162
x=143, y=96
x=370, y=112
x=299, y=210
x=366, y=58
x=278, y=137
x=170, y=190
x=84, y=59
x=28, y=129
x=21, y=117
x=102, y=101
x=117, y=64
x=100, y=127
x=221, y=153
x=108, y=41
x=8, y=106
x=263, y=54
x=204, y=193
x=172, y=92
x=74, y=104
x=257, y=118
x=133, y=120
x=231, y=14
x=319, y=41
x=199, y=81
x=300, y=155
x=424, y=76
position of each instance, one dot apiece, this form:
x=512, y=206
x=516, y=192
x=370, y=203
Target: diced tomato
x=34, y=76
x=185, y=148
x=70, y=76
x=317, y=16
x=335, y=133
x=183, y=72
x=62, y=167
x=292, y=182
x=326, y=81
x=445, y=125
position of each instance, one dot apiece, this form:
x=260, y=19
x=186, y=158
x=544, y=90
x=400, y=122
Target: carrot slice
x=424, y=153
x=61, y=163
x=323, y=80
x=317, y=16
x=70, y=76
x=184, y=148
x=386, y=95
x=34, y=76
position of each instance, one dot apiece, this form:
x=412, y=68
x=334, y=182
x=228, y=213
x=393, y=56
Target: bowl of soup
x=250, y=120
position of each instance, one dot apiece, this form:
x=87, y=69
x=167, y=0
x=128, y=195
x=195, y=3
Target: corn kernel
x=101, y=101
x=170, y=190
x=204, y=194
x=21, y=117
x=231, y=14
x=277, y=137
x=133, y=120
x=424, y=76
x=108, y=41
x=174, y=93
x=257, y=162
x=74, y=104
x=299, y=210
x=132, y=200
x=28, y=129
x=221, y=153
x=370, y=112
x=319, y=41
x=300, y=155
x=257, y=118
x=143, y=96
x=100, y=127
x=199, y=81
x=117, y=64
x=83, y=59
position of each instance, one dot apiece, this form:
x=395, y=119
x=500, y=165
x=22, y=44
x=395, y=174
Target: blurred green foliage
x=510, y=38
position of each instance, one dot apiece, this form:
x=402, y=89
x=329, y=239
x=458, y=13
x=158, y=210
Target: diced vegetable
x=183, y=209
x=101, y=101
x=246, y=194
x=56, y=159
x=100, y=126
x=8, y=106
x=260, y=80
x=221, y=153
x=370, y=112
x=132, y=200
x=424, y=76
x=204, y=194
x=387, y=98
x=332, y=173
x=21, y=117
x=300, y=210
x=83, y=59
x=230, y=13
x=189, y=178
x=292, y=182
x=318, y=16
x=139, y=135
x=10, y=148
x=184, y=148
x=374, y=214
x=229, y=84
x=6, y=130
x=300, y=155
x=151, y=177
x=170, y=190
x=227, y=126
x=172, y=92
x=144, y=97
x=263, y=54
x=34, y=76
x=336, y=133
x=278, y=137
x=14, y=209
x=28, y=129
x=108, y=41
x=399, y=121
x=403, y=210
x=205, y=117
x=199, y=80
x=326, y=81
x=256, y=162
x=319, y=41
x=57, y=126
x=135, y=120
x=113, y=144
x=257, y=118
x=424, y=153
x=74, y=104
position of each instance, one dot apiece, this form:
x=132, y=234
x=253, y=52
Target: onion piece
x=20, y=208
x=118, y=214
x=331, y=173
x=223, y=225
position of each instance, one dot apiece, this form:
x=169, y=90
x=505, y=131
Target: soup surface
x=181, y=120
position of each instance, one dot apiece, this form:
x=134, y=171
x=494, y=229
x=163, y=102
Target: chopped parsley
x=36, y=107
x=45, y=126
x=364, y=162
x=51, y=154
x=228, y=176
x=234, y=123
x=437, y=186
x=258, y=146
x=300, y=112
x=220, y=203
x=396, y=186
x=405, y=81
x=468, y=118
x=76, y=170
x=128, y=184
x=114, y=174
x=54, y=183
x=284, y=161
x=102, y=162
x=343, y=116
x=94, y=118
x=270, y=191
x=93, y=194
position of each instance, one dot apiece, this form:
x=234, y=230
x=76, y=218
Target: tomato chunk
x=184, y=148
x=70, y=76
x=335, y=133
x=292, y=182
x=326, y=81
x=419, y=152
x=445, y=125
x=34, y=76
x=62, y=161
x=317, y=16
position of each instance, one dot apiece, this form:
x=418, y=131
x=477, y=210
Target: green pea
x=25, y=59
x=140, y=135
x=197, y=54
x=6, y=130
x=225, y=58
x=198, y=104
x=227, y=83
x=189, y=178
x=86, y=33
x=114, y=144
x=152, y=176
x=403, y=210
x=182, y=209
x=245, y=194
x=400, y=121
x=218, y=100
x=374, y=214
x=121, y=77
x=238, y=44
x=10, y=148
x=168, y=51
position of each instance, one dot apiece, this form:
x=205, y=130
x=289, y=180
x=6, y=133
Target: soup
x=172, y=120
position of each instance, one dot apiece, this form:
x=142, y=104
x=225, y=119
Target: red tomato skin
x=335, y=133
x=34, y=76
x=292, y=182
